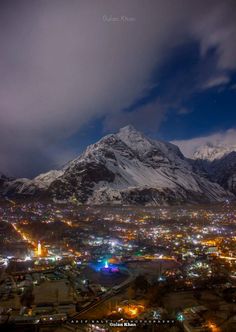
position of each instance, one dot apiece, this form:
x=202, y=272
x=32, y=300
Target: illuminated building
x=109, y=269
x=39, y=249
x=132, y=310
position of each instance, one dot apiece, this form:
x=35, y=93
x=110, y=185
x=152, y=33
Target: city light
x=102, y=227
x=175, y=251
x=180, y=317
x=213, y=327
x=39, y=251
x=132, y=310
x=106, y=266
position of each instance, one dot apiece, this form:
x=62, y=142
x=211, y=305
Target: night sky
x=73, y=71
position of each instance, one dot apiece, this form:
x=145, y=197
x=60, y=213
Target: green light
x=180, y=317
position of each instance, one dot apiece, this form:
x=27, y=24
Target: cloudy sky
x=73, y=71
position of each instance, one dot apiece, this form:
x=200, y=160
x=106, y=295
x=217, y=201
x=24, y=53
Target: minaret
x=39, y=249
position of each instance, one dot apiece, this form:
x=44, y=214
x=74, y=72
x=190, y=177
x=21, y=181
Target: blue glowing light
x=180, y=317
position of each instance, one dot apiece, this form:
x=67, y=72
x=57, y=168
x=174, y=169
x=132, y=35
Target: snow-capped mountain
x=30, y=187
x=223, y=171
x=125, y=168
x=218, y=164
x=212, y=152
x=129, y=168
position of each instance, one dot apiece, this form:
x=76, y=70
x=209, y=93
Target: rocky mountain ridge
x=124, y=168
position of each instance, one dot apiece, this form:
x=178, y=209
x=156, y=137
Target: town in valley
x=84, y=268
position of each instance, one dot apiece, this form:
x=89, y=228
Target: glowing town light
x=213, y=327
x=4, y=262
x=106, y=265
x=39, y=249
x=133, y=311
x=180, y=317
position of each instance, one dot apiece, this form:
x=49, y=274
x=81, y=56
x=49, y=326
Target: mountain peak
x=129, y=129
x=135, y=139
x=131, y=132
x=124, y=168
x=211, y=152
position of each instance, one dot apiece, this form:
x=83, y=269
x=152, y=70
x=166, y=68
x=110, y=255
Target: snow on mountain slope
x=217, y=163
x=211, y=152
x=143, y=145
x=124, y=168
x=129, y=168
x=28, y=186
x=44, y=180
x=224, y=171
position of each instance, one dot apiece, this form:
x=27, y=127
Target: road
x=80, y=315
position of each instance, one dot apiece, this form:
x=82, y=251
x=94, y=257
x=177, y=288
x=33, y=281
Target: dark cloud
x=62, y=64
x=153, y=113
